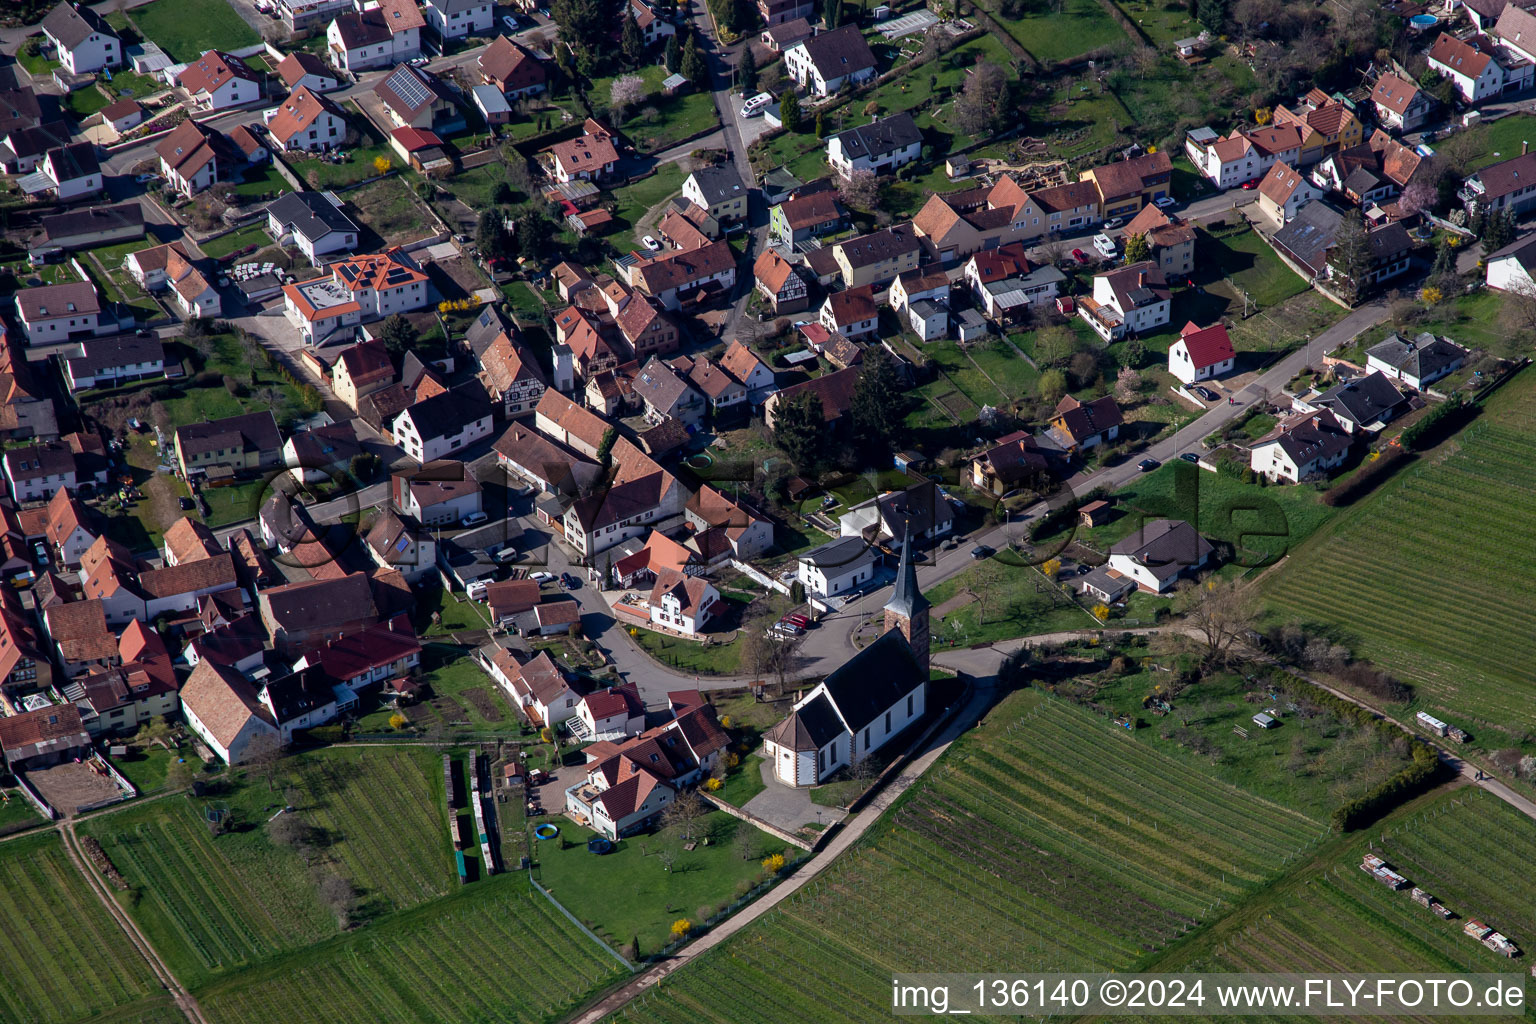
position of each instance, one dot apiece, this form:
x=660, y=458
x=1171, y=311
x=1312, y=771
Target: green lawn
x=660, y=121
x=456, y=613
x=1013, y=601
x=482, y=705
x=133, y=84
x=1249, y=262
x=85, y=102
x=251, y=234
x=633, y=201
x=16, y=813
x=525, y=304
x=1498, y=140
x=629, y=895
x=268, y=390
x=235, y=503
x=186, y=29
x=1418, y=576
x=1081, y=25
x=145, y=766
x=743, y=782
x=261, y=182
x=710, y=659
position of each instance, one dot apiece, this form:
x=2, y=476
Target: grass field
x=1419, y=577
x=388, y=207
x=1016, y=601
x=628, y=896
x=251, y=234
x=65, y=958
x=1045, y=840
x=1081, y=25
x=496, y=951
x=186, y=29
x=214, y=904
x=633, y=201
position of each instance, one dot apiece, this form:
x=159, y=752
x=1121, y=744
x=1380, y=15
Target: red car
x=1079, y=255
x=1249, y=186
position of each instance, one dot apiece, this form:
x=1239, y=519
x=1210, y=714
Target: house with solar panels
x=360, y=290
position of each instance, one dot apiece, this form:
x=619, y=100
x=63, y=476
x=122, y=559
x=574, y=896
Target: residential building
x=782, y=12
x=920, y=513
x=219, y=81
x=1125, y=186
x=722, y=392
x=359, y=290
x=719, y=190
x=52, y=313
x=692, y=275
x=436, y=427
x=307, y=71
x=307, y=121
x=1282, y=192
x=878, y=257
x=1171, y=241
x=590, y=156
x=82, y=38
x=1509, y=185
x=303, y=617
x=836, y=567
x=1067, y=208
x=1513, y=268
x=194, y=156
x=743, y=364
x=878, y=147
x=69, y=528
x=36, y=472
x=321, y=454
x=512, y=69
x=834, y=391
x=397, y=541
x=415, y=98
x=613, y=714
x=665, y=393
x=1005, y=283
x=113, y=360
x=569, y=424
x=953, y=225
x=723, y=528
x=34, y=740
x=361, y=370
x=1246, y=155
x=1301, y=447
x=1417, y=362
x=1156, y=555
x=387, y=34
x=221, y=707
x=1077, y=426
x=641, y=494
x=1331, y=118
x=802, y=217
x=94, y=226
x=67, y=173
x=1014, y=461
x=1477, y=74
x=511, y=377
x=458, y=19
x=537, y=687
x=683, y=604
x=653, y=26
x=1362, y=406
x=436, y=494
x=783, y=289
x=850, y=314
x=781, y=35
x=168, y=268
x=647, y=330
x=1201, y=353
x=314, y=222
x=1400, y=105
x=236, y=444
x=824, y=63
x=1127, y=300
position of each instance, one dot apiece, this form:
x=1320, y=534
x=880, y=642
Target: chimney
x=1525, y=147
x=1317, y=422
x=1141, y=279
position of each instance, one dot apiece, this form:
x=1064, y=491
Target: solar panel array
x=408, y=85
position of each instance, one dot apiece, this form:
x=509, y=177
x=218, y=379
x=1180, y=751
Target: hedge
x=1368, y=478
x=1434, y=425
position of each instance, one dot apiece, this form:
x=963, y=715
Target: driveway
x=787, y=807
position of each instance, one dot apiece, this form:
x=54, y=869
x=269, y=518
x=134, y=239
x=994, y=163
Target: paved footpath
x=981, y=698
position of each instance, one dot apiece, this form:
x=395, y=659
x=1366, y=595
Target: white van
x=1105, y=245
x=756, y=104
x=476, y=590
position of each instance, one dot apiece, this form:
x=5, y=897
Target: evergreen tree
x=1212, y=14
x=397, y=334
x=832, y=13
x=674, y=55
x=1137, y=249
x=789, y=110
x=1350, y=258
x=747, y=71
x=534, y=231
x=821, y=125
x=1498, y=231
x=799, y=430
x=632, y=43
x=879, y=403
x=695, y=67
x=491, y=235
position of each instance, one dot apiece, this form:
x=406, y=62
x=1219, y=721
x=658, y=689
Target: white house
x=1132, y=299
x=222, y=708
x=1201, y=353
x=1476, y=75
x=851, y=313
x=113, y=360
x=62, y=312
x=826, y=62
x=379, y=37
x=301, y=69
x=1400, y=105
x=1513, y=268
x=83, y=39
x=1284, y=191
x=455, y=19
x=1418, y=362
x=315, y=223
x=537, y=687
x=445, y=423
x=1243, y=155
x=73, y=171
x=1155, y=556
x=880, y=146
x=836, y=567
x=219, y=80
x=615, y=713
x=683, y=604
x=191, y=157
x=306, y=121
x=302, y=700
x=1302, y=446
x=1006, y=283
x=359, y=290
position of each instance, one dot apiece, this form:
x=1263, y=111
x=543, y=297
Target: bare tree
x=340, y=895
x=1220, y=614
x=667, y=856
x=289, y=830
x=746, y=841
x=262, y=757
x=684, y=814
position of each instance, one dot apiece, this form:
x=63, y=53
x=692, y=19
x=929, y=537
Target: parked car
x=1164, y=202
x=1191, y=458
x=476, y=590
x=41, y=551
x=505, y=555
x=187, y=504
x=145, y=179
x=650, y=244
x=1204, y=392
x=1148, y=465
x=1249, y=186
x=570, y=582
x=981, y=551
x=796, y=619
x=474, y=519
x=1113, y=222
x=1079, y=255
x=1084, y=570
x=509, y=22
x=756, y=105
x=419, y=62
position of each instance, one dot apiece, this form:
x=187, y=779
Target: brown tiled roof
x=58, y=725
x=190, y=539
x=511, y=65
x=1280, y=183
x=772, y=270
x=739, y=361
x=299, y=112
x=55, y=300
x=835, y=390
x=1061, y=198
x=65, y=514
x=186, y=577
x=1458, y=56
x=505, y=363
x=212, y=70
x=803, y=211
x=80, y=630
x=852, y=305
x=296, y=65
x=680, y=268
x=1394, y=93
x=222, y=700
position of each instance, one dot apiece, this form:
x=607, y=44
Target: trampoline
x=599, y=845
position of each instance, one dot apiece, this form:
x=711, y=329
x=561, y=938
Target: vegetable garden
x=1423, y=578
x=494, y=952
x=64, y=956
x=1044, y=841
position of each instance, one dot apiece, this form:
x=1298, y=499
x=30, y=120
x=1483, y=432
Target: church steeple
x=907, y=610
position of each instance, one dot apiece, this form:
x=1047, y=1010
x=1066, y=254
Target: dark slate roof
x=1424, y=356
x=487, y=325
x=719, y=183
x=299, y=693
x=450, y=411
x=1362, y=401
x=1166, y=546
x=76, y=160
x=907, y=597
x=842, y=51
x=310, y=214
x=879, y=138
x=837, y=553
x=73, y=25
x=869, y=683
x=1309, y=235
x=921, y=507
x=809, y=728
x=98, y=218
